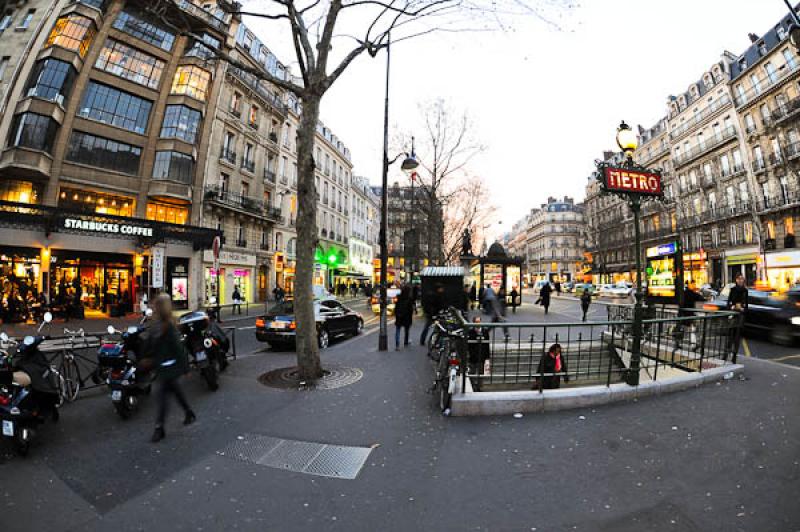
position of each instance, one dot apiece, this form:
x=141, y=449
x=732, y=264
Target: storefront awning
x=734, y=260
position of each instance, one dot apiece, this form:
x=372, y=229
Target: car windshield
x=286, y=307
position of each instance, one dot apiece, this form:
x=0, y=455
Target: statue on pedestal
x=466, y=243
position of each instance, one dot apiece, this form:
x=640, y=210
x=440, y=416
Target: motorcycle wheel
x=210, y=375
x=23, y=441
x=444, y=395
x=127, y=406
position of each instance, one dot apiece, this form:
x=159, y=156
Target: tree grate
x=288, y=379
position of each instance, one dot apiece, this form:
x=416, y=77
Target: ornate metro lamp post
x=635, y=184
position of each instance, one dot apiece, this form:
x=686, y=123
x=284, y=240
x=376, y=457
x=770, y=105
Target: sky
x=546, y=95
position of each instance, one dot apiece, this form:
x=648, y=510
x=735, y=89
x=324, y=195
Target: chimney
x=753, y=37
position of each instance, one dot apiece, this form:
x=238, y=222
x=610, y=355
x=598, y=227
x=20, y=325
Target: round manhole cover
x=334, y=377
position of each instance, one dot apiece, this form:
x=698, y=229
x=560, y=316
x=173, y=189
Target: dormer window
x=742, y=64
x=781, y=32
x=762, y=48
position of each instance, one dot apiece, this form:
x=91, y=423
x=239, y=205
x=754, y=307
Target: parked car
x=776, y=315
x=278, y=326
x=568, y=287
x=708, y=292
x=621, y=289
x=604, y=290
x=537, y=287
x=580, y=288
x=391, y=299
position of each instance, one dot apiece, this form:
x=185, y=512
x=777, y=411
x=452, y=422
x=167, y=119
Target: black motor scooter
x=118, y=363
x=29, y=388
x=207, y=345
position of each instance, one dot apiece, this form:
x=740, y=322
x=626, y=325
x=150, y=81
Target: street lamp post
x=410, y=163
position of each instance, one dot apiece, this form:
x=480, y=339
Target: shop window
x=174, y=166
x=96, y=202
x=104, y=153
x=72, y=32
x=136, y=25
x=165, y=212
x=35, y=131
x=789, y=225
x=52, y=80
x=112, y=106
x=191, y=81
x=181, y=122
x=20, y=191
x=129, y=63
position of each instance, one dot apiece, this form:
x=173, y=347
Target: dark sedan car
x=278, y=326
x=777, y=316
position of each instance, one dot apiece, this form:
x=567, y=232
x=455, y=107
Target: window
x=191, y=81
x=245, y=190
x=252, y=119
x=725, y=164
x=89, y=201
x=181, y=122
x=3, y=65
x=224, y=182
x=104, y=153
x=112, y=106
x=744, y=195
x=784, y=188
x=737, y=159
x=26, y=20
x=730, y=196
x=20, y=191
x=772, y=75
x=72, y=32
x=748, y=232
x=166, y=212
x=741, y=95
x=749, y=123
x=758, y=157
x=791, y=62
x=52, y=80
x=788, y=223
x=203, y=49
x=126, y=62
x=756, y=84
x=712, y=201
x=236, y=103
x=5, y=20
x=781, y=32
x=174, y=166
x=35, y=131
x=734, y=234
x=134, y=24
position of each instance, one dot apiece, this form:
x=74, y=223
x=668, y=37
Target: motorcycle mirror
x=131, y=329
x=207, y=343
x=111, y=329
x=4, y=337
x=48, y=317
x=28, y=340
x=148, y=312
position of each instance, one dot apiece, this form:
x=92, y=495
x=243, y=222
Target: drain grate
x=334, y=377
x=335, y=461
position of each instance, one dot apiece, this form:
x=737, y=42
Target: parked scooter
x=207, y=345
x=29, y=388
x=118, y=363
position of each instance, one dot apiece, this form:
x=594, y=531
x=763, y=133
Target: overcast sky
x=545, y=100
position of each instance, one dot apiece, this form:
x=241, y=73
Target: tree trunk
x=308, y=361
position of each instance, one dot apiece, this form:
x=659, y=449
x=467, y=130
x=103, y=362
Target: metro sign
x=626, y=180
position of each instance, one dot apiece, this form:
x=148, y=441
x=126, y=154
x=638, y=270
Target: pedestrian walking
x=552, y=367
x=738, y=300
x=143, y=304
x=404, y=309
x=514, y=296
x=558, y=288
x=166, y=355
x=544, y=297
x=473, y=294
x=237, y=300
x=586, y=300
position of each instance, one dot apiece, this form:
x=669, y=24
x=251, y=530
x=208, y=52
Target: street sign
x=216, y=247
x=158, y=267
x=629, y=181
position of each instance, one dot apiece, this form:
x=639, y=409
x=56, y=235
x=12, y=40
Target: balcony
x=160, y=188
x=236, y=112
x=700, y=149
x=26, y=163
x=264, y=246
x=786, y=111
x=787, y=198
x=228, y=155
x=759, y=165
x=255, y=84
x=647, y=158
x=792, y=150
x=732, y=171
x=252, y=125
x=245, y=204
x=241, y=243
x=273, y=137
x=250, y=166
x=765, y=84
x=284, y=180
x=202, y=14
x=701, y=116
x=270, y=176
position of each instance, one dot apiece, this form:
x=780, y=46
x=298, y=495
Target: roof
x=770, y=41
x=442, y=271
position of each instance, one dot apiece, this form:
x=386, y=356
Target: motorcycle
x=117, y=363
x=29, y=388
x=207, y=345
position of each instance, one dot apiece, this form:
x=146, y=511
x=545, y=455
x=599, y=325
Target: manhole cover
x=334, y=377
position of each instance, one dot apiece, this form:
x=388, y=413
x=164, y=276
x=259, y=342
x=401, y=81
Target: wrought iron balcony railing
x=247, y=204
x=228, y=155
x=708, y=145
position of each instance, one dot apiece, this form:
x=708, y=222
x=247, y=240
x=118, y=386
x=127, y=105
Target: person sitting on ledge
x=552, y=362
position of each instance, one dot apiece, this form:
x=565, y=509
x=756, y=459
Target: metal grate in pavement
x=335, y=461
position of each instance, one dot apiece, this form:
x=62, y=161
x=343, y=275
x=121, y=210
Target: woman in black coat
x=552, y=362
x=544, y=297
x=403, y=314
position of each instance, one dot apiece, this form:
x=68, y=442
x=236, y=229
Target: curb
x=472, y=403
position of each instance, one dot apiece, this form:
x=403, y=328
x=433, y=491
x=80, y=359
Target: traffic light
x=333, y=258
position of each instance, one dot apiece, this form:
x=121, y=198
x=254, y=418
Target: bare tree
x=467, y=210
x=327, y=36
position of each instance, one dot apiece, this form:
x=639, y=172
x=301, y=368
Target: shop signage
x=660, y=251
x=783, y=260
x=694, y=257
x=158, y=267
x=632, y=181
x=230, y=257
x=735, y=260
x=107, y=227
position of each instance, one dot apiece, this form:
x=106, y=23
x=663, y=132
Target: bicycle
x=68, y=370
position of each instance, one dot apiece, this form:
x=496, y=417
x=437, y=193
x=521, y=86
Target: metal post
x=633, y=374
x=383, y=342
x=792, y=11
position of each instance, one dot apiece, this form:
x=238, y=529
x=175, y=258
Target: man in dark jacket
x=552, y=362
x=403, y=315
x=737, y=298
x=586, y=301
x=544, y=296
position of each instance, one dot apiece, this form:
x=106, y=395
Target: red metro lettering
x=621, y=180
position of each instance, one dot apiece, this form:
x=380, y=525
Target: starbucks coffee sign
x=108, y=228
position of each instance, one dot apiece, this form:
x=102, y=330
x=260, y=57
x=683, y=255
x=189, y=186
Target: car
x=537, y=287
x=568, y=287
x=580, y=288
x=391, y=298
x=708, y=292
x=777, y=315
x=604, y=290
x=278, y=326
x=621, y=289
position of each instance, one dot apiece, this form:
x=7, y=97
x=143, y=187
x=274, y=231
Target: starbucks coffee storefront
x=108, y=262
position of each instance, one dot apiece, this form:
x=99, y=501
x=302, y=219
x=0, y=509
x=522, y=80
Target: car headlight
x=795, y=320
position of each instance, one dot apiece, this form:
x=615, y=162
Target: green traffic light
x=332, y=258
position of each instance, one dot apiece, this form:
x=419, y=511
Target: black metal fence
x=511, y=356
